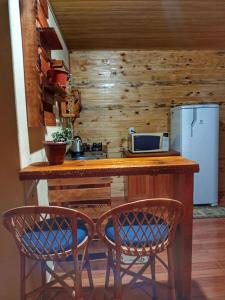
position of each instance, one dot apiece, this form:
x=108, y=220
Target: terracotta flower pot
x=55, y=152
x=57, y=77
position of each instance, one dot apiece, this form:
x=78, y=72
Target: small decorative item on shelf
x=71, y=107
x=55, y=150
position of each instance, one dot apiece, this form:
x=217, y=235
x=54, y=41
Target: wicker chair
x=141, y=228
x=55, y=234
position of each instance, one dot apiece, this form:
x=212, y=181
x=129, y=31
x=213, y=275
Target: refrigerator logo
x=201, y=122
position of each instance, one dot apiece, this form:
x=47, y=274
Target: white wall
x=58, y=54
x=11, y=189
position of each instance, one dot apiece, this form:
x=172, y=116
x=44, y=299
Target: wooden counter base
x=147, y=186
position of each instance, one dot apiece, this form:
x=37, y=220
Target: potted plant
x=58, y=77
x=56, y=149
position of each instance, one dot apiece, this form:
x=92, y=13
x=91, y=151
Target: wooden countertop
x=110, y=167
x=127, y=153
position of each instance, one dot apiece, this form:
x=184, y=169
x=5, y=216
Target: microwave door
x=147, y=143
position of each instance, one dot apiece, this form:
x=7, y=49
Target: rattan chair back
x=144, y=227
x=47, y=232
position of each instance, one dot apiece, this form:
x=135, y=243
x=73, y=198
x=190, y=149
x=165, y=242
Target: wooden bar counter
x=181, y=171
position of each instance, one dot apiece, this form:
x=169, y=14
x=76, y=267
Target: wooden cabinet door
x=163, y=186
x=139, y=187
x=146, y=186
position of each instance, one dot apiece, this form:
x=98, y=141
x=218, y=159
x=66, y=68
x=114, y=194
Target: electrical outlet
x=131, y=130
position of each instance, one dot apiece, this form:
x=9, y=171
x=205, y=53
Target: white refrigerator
x=195, y=134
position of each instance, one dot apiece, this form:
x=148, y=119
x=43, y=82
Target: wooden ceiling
x=150, y=24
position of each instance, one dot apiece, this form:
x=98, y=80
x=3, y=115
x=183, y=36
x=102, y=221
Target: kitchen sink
x=90, y=155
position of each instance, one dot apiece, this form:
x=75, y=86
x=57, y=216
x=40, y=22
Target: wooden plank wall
x=122, y=89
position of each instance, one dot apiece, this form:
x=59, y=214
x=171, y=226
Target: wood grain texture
x=122, y=89
x=163, y=153
x=132, y=24
x=145, y=187
x=44, y=4
x=110, y=167
x=91, y=195
x=79, y=189
x=49, y=118
x=79, y=181
x=182, y=245
x=82, y=194
x=30, y=56
x=41, y=16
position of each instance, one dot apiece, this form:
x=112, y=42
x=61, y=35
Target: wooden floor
x=208, y=276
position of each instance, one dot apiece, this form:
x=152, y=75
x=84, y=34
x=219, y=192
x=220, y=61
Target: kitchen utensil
x=77, y=145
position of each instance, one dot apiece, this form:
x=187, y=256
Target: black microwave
x=148, y=142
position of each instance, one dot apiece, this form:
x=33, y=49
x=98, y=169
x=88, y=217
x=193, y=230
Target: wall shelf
x=49, y=39
x=38, y=41
x=59, y=64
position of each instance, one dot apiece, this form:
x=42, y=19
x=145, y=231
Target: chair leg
x=107, y=276
x=109, y=259
x=43, y=276
x=22, y=277
x=89, y=271
x=117, y=278
x=77, y=280
x=152, y=265
x=171, y=281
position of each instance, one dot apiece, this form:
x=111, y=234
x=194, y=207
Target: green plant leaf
x=64, y=135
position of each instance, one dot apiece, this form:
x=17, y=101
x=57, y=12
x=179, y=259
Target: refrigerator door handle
x=194, y=120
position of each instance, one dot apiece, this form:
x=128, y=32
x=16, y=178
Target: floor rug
x=204, y=212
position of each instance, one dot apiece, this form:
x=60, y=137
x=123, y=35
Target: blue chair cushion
x=139, y=235
x=51, y=239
